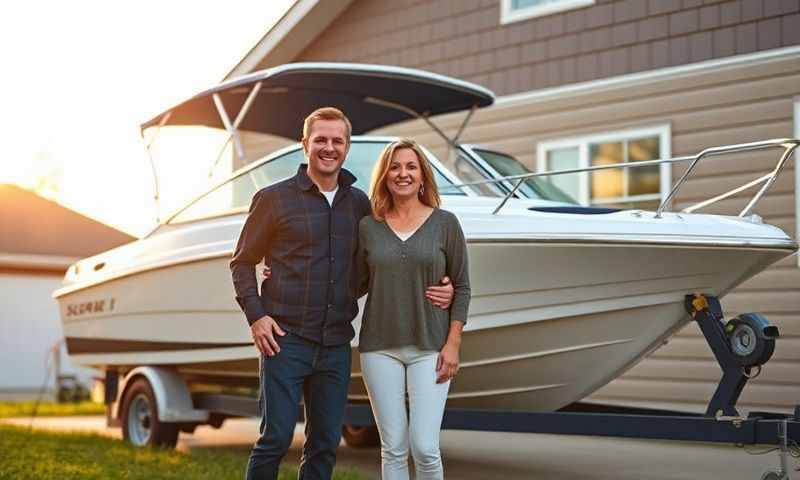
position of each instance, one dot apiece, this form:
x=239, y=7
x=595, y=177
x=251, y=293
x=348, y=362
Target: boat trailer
x=741, y=346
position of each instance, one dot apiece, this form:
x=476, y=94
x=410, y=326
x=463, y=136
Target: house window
x=640, y=187
x=516, y=10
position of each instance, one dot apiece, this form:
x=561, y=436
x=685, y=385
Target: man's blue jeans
x=321, y=376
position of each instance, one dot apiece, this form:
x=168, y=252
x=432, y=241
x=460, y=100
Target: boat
x=565, y=298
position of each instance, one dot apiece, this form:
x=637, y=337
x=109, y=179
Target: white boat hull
x=550, y=321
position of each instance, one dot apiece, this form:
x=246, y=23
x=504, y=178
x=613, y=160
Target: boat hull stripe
x=77, y=345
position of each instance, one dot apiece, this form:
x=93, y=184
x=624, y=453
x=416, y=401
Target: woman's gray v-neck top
x=397, y=313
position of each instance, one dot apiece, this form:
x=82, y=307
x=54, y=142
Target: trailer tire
x=773, y=475
x=140, y=424
x=361, y=436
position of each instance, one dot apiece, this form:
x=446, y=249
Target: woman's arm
x=447, y=363
x=458, y=271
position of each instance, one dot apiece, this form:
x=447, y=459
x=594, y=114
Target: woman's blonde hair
x=382, y=200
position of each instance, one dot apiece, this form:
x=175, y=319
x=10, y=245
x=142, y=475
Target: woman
x=408, y=346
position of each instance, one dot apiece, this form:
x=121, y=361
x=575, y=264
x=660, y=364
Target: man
x=306, y=227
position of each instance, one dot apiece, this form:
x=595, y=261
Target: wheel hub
x=743, y=340
x=140, y=420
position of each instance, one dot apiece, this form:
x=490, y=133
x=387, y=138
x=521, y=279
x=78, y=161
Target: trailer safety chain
x=793, y=450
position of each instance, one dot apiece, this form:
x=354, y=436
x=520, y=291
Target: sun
x=71, y=118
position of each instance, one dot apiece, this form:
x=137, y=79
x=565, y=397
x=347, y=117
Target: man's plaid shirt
x=311, y=248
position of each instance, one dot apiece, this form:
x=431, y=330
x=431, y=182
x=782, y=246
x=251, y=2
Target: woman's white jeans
x=389, y=375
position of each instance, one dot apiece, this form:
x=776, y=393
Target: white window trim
x=509, y=15
x=664, y=133
x=797, y=175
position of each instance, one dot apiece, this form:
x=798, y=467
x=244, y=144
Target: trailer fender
x=172, y=395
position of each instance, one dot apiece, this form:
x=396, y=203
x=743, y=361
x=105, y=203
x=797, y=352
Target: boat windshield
x=540, y=188
x=236, y=193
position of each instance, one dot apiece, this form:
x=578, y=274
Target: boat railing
x=787, y=144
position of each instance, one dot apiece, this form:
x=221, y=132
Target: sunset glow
x=88, y=73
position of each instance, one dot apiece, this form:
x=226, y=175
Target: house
x=39, y=239
x=590, y=82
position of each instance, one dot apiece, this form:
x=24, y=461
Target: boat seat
x=576, y=210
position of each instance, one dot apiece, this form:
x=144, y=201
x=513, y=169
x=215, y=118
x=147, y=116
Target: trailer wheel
x=140, y=424
x=361, y=437
x=773, y=475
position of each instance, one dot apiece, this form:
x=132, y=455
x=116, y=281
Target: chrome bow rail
x=787, y=144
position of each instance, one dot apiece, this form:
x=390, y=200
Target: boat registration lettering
x=94, y=306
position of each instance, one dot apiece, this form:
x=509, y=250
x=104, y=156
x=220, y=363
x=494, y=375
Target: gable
x=33, y=225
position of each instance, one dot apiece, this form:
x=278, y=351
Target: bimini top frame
x=277, y=100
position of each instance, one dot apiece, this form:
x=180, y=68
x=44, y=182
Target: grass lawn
x=50, y=409
x=45, y=455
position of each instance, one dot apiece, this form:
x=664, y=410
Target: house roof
x=298, y=27
x=33, y=227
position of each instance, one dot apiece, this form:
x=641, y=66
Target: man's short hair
x=326, y=113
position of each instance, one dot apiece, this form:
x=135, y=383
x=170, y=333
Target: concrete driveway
x=484, y=455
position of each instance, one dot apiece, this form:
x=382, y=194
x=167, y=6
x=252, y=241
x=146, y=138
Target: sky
x=81, y=76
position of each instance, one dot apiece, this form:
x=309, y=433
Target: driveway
x=484, y=455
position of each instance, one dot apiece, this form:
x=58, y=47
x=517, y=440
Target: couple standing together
x=326, y=244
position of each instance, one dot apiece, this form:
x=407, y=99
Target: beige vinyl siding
x=722, y=106
x=465, y=38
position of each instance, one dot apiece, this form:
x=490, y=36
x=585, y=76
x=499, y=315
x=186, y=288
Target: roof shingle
x=30, y=224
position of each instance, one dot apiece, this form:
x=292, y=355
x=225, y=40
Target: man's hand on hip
x=264, y=330
x=441, y=295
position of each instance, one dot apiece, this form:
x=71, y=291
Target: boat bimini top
x=277, y=100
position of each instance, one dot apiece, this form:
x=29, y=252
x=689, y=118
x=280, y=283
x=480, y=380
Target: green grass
x=50, y=409
x=45, y=455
